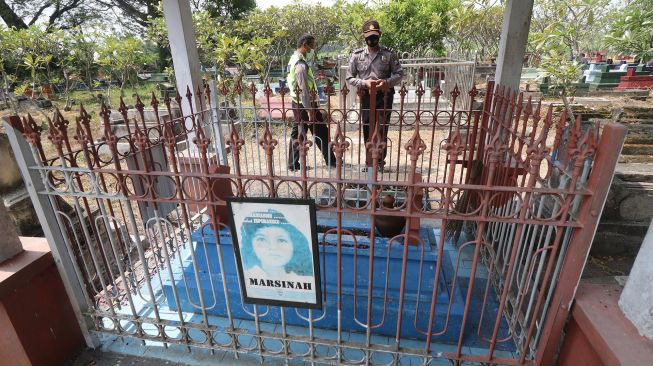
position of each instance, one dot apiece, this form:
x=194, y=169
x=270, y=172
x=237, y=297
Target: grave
x=546, y=88
x=603, y=78
x=634, y=81
x=420, y=277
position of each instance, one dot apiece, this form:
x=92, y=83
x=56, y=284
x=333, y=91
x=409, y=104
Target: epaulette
x=359, y=50
x=387, y=49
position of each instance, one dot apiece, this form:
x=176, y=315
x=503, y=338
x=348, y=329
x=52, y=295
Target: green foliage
x=235, y=9
x=317, y=20
x=350, y=19
x=475, y=25
x=415, y=25
x=568, y=26
x=631, y=31
x=123, y=58
x=562, y=73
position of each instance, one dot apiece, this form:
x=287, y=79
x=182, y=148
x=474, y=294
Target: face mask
x=372, y=41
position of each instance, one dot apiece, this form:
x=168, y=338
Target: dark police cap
x=371, y=27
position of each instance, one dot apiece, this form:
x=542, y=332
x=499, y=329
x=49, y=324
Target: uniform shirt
x=382, y=65
x=301, y=77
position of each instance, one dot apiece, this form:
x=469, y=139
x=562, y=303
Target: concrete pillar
x=512, y=47
x=9, y=242
x=637, y=297
x=179, y=22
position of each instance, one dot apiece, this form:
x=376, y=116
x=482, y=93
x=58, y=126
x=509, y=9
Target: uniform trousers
x=318, y=128
x=383, y=111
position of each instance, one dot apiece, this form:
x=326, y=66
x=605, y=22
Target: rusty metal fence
x=429, y=72
x=497, y=207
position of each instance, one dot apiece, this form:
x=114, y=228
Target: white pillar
x=179, y=21
x=512, y=47
x=636, y=300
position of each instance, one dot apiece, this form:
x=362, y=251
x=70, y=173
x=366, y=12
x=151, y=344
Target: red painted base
x=37, y=323
x=599, y=334
x=636, y=82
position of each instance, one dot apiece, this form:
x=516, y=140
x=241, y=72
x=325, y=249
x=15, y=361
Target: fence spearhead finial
x=454, y=146
x=154, y=102
x=31, y=130
x=339, y=144
x=473, y=92
x=80, y=133
x=455, y=92
x=123, y=108
x=139, y=104
x=415, y=146
x=344, y=90
x=267, y=141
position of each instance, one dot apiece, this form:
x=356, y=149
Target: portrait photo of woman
x=275, y=251
x=272, y=247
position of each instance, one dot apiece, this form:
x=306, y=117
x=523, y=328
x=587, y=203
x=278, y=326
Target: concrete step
x=637, y=149
x=635, y=172
x=641, y=134
x=639, y=111
x=624, y=158
x=628, y=120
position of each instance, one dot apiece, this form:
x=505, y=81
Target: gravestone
x=634, y=81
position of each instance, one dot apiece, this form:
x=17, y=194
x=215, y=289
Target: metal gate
x=500, y=206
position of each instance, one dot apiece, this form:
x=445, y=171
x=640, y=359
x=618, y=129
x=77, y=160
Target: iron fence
x=494, y=202
x=428, y=72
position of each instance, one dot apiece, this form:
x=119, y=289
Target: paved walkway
x=97, y=357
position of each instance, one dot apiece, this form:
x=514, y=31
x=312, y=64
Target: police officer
x=375, y=65
x=300, y=76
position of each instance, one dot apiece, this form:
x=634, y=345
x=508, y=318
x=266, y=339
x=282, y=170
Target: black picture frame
x=294, y=213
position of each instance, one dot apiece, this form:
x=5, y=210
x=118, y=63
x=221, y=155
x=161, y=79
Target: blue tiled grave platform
x=385, y=304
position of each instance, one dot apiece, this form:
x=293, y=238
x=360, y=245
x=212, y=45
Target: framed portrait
x=276, y=250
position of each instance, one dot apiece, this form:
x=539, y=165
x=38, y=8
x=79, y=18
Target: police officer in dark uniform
x=375, y=65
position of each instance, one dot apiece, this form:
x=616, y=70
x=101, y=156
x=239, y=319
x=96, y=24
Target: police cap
x=371, y=27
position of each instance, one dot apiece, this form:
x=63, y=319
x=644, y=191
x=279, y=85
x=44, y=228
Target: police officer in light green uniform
x=300, y=76
x=379, y=65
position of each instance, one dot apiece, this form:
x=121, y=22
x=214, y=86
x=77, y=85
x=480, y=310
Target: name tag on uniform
x=384, y=59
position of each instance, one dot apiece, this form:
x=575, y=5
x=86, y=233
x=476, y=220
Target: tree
x=415, y=25
x=350, y=17
x=568, y=25
x=76, y=62
x=233, y=9
x=563, y=74
x=62, y=14
x=475, y=25
x=123, y=57
x=135, y=13
x=32, y=52
x=631, y=32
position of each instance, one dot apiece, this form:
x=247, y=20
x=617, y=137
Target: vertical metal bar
x=47, y=217
x=496, y=151
x=605, y=161
x=216, y=123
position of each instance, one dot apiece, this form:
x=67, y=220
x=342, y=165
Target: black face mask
x=372, y=41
